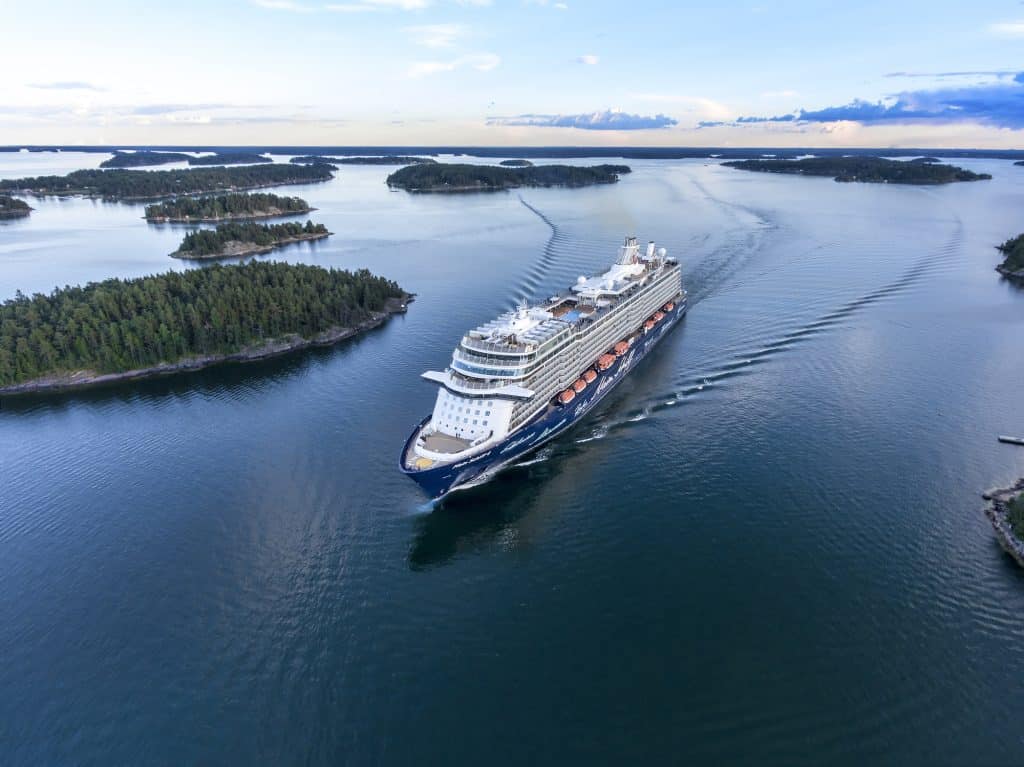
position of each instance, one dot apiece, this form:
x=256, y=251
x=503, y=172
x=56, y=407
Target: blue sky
x=520, y=72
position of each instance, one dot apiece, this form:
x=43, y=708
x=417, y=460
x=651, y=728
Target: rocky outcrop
x=998, y=513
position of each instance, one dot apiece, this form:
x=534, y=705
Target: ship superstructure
x=533, y=366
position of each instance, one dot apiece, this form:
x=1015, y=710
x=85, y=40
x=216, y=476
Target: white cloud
x=561, y=6
x=282, y=5
x=706, y=108
x=476, y=3
x=588, y=58
x=1007, y=29
x=481, y=62
x=437, y=35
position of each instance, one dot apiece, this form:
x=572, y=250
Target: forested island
x=516, y=163
x=12, y=207
x=235, y=240
x=390, y=159
x=875, y=170
x=225, y=207
x=1013, y=263
x=142, y=158
x=1006, y=513
x=455, y=177
x=139, y=185
x=122, y=329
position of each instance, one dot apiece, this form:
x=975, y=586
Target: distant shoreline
x=275, y=347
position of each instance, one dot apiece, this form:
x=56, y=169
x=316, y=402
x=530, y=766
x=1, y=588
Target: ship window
x=474, y=422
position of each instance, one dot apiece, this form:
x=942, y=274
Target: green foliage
x=225, y=206
x=152, y=184
x=313, y=159
x=1013, y=249
x=869, y=169
x=454, y=177
x=211, y=242
x=120, y=325
x=1016, y=516
x=12, y=207
x=140, y=159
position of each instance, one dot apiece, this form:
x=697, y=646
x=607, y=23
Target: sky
x=514, y=72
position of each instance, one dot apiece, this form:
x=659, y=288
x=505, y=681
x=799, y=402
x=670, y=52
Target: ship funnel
x=650, y=249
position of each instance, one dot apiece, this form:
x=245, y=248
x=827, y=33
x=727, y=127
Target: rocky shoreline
x=271, y=213
x=236, y=249
x=1010, y=274
x=81, y=379
x=998, y=513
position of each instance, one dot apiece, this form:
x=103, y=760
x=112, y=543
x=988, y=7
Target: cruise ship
x=520, y=380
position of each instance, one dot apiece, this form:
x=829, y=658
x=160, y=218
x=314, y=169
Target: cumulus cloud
x=999, y=104
x=481, y=62
x=1007, y=29
x=607, y=120
x=74, y=85
x=588, y=58
x=437, y=35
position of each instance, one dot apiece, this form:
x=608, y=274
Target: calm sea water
x=766, y=547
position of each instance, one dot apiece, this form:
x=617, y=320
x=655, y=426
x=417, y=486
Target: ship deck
x=445, y=443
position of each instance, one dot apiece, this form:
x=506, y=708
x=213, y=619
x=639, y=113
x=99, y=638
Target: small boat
x=589, y=376
x=659, y=316
x=567, y=396
x=621, y=348
x=669, y=306
x=649, y=325
x=605, y=361
x=579, y=385
x=1011, y=440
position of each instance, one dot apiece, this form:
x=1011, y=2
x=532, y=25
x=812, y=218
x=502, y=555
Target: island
x=455, y=177
x=236, y=240
x=141, y=185
x=118, y=330
x=12, y=207
x=142, y=158
x=872, y=170
x=1013, y=263
x=225, y=207
x=1005, y=511
x=390, y=159
x=516, y=163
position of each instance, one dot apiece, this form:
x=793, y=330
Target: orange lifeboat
x=605, y=361
x=589, y=376
x=621, y=348
x=659, y=316
x=669, y=306
x=649, y=325
x=579, y=385
x=567, y=396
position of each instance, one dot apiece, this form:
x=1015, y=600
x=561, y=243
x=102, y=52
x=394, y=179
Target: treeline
x=312, y=159
x=119, y=325
x=211, y=242
x=152, y=184
x=455, y=177
x=878, y=170
x=12, y=207
x=516, y=163
x=143, y=158
x=1013, y=250
x=226, y=206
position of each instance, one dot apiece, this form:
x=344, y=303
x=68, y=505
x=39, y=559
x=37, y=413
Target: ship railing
x=489, y=346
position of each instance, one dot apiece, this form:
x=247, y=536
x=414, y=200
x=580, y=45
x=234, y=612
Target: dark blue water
x=765, y=548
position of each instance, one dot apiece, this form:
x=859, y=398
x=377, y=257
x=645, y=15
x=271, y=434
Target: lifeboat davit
x=589, y=376
x=659, y=316
x=579, y=385
x=605, y=361
x=669, y=306
x=649, y=325
x=567, y=396
x=621, y=348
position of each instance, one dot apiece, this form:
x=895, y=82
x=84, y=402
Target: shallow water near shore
x=766, y=546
